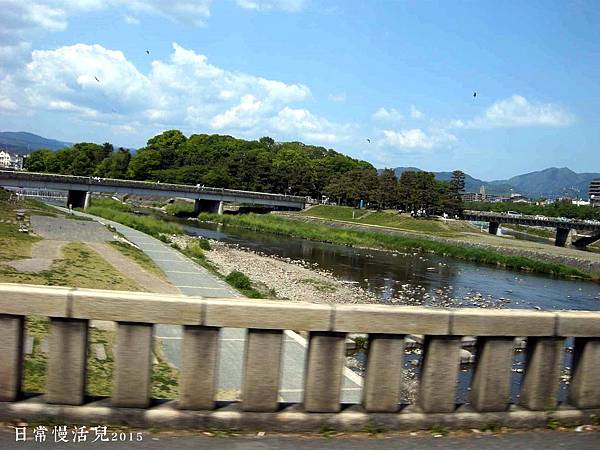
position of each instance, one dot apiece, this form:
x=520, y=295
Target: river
x=428, y=279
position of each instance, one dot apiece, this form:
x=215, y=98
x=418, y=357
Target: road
x=525, y=440
x=192, y=279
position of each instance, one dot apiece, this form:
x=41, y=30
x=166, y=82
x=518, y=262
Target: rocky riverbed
x=300, y=280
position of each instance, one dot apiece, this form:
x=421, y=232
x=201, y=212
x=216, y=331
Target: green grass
x=539, y=232
x=112, y=210
x=139, y=257
x=81, y=266
x=243, y=284
x=180, y=208
x=387, y=219
x=372, y=239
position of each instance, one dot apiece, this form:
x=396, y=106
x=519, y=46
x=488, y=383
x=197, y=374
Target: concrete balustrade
x=11, y=356
x=199, y=355
x=262, y=370
x=67, y=361
x=135, y=314
x=133, y=365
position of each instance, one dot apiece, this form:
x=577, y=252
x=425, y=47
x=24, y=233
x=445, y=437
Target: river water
x=424, y=279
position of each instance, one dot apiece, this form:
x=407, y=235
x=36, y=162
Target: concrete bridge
x=206, y=198
x=136, y=315
x=563, y=226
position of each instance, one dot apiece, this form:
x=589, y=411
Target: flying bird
x=97, y=79
x=147, y=52
x=474, y=94
x=368, y=140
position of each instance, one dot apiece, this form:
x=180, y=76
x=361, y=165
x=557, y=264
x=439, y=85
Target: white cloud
x=93, y=84
x=303, y=123
x=389, y=115
x=517, y=111
x=415, y=113
x=338, y=98
x=131, y=20
x=415, y=138
x=264, y=5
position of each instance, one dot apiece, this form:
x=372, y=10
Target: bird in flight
x=474, y=94
x=147, y=52
x=97, y=79
x=368, y=140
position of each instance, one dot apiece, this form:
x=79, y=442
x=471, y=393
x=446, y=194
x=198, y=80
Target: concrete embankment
x=585, y=261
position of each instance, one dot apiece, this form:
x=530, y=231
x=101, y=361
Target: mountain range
x=551, y=183
x=22, y=142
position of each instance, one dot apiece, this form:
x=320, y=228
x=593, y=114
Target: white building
x=8, y=161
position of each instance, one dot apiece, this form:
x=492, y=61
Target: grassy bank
x=324, y=233
x=389, y=219
x=139, y=257
x=117, y=212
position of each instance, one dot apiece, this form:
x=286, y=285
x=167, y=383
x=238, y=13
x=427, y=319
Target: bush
x=194, y=249
x=238, y=280
x=203, y=244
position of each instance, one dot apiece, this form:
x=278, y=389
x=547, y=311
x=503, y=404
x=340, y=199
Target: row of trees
x=261, y=165
x=411, y=192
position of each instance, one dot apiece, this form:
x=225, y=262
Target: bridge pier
x=79, y=199
x=493, y=228
x=563, y=237
x=211, y=206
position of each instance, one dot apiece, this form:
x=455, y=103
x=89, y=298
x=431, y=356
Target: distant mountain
x=551, y=183
x=22, y=142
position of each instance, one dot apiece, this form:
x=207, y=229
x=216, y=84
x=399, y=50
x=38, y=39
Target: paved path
x=137, y=273
x=525, y=440
x=192, y=279
x=43, y=254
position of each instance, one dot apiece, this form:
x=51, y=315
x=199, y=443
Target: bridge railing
x=91, y=182
x=71, y=310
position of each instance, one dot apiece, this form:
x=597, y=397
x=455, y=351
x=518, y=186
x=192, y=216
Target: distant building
x=8, y=161
x=595, y=193
x=518, y=198
x=580, y=202
x=482, y=193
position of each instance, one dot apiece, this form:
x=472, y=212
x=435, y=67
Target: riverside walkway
x=194, y=280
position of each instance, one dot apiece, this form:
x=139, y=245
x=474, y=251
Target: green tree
x=37, y=161
x=387, y=192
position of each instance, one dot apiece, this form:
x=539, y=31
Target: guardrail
x=91, y=182
x=70, y=311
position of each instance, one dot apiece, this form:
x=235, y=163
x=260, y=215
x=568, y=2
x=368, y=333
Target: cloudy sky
x=400, y=73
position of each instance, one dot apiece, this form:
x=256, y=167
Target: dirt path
x=132, y=270
x=43, y=254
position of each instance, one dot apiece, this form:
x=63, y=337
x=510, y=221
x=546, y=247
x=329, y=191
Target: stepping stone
x=99, y=352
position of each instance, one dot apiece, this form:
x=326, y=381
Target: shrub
x=238, y=280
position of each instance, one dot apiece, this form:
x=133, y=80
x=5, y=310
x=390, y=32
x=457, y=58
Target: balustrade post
x=493, y=373
x=324, y=369
x=262, y=369
x=67, y=361
x=133, y=365
x=584, y=390
x=541, y=381
x=385, y=357
x=439, y=373
x=12, y=329
x=198, y=367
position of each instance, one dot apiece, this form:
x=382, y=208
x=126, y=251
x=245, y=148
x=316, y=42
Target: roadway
x=194, y=280
x=517, y=440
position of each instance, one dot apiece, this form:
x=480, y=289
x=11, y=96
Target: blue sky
x=332, y=73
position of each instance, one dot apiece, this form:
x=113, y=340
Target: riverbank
x=356, y=235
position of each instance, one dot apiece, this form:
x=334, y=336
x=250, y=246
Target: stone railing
x=70, y=312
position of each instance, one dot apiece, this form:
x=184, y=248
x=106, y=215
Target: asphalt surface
x=533, y=440
x=192, y=279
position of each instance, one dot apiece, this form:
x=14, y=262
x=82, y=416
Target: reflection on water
x=427, y=278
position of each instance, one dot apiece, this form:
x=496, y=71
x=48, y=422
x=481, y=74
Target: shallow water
x=420, y=278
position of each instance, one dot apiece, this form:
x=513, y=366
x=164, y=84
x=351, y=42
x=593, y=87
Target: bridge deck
x=145, y=188
x=523, y=219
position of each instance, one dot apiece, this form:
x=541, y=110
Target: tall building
x=595, y=193
x=482, y=193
